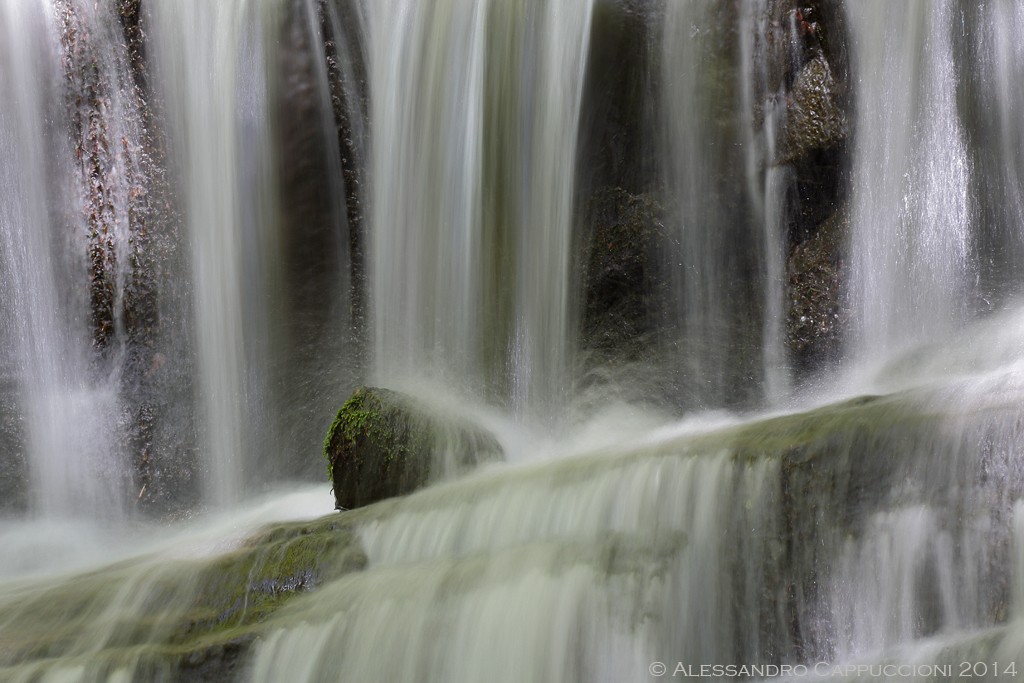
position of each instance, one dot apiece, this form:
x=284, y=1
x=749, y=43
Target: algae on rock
x=165, y=618
x=383, y=444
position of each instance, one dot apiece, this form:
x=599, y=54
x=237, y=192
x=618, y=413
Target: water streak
x=717, y=304
x=590, y=579
x=912, y=212
x=69, y=142
x=476, y=114
x=213, y=63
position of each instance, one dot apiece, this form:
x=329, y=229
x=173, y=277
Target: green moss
x=384, y=443
x=327, y=442
x=783, y=436
x=238, y=595
x=244, y=588
x=363, y=416
x=181, y=612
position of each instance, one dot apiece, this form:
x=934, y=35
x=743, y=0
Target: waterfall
x=252, y=220
x=768, y=178
x=475, y=109
x=123, y=334
x=591, y=580
x=213, y=61
x=912, y=212
x=713, y=294
x=218, y=218
x=994, y=97
x=66, y=246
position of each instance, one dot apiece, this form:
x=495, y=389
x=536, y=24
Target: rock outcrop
x=622, y=284
x=384, y=444
x=814, y=120
x=192, y=619
x=817, y=320
x=813, y=143
x=14, y=472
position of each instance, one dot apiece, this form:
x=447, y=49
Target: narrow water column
x=212, y=63
x=314, y=351
x=715, y=260
x=911, y=221
x=475, y=109
x=777, y=384
x=763, y=100
x=67, y=398
x=1007, y=86
x=992, y=97
x=425, y=263
x=552, y=95
x=1017, y=562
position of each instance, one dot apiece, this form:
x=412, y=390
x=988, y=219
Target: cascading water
x=223, y=71
x=475, y=108
x=912, y=213
x=106, y=292
x=57, y=126
x=768, y=181
x=715, y=283
x=589, y=579
x=213, y=63
x=994, y=97
x=427, y=158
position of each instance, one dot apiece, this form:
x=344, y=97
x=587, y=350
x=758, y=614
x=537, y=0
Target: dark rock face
x=618, y=113
x=817, y=320
x=623, y=286
x=221, y=662
x=623, y=223
x=813, y=143
x=309, y=316
x=157, y=391
x=814, y=120
x=13, y=467
x=623, y=282
x=134, y=290
x=346, y=72
x=160, y=429
x=384, y=444
x=85, y=92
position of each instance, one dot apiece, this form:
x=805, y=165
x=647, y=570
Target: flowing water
x=209, y=237
x=216, y=95
x=49, y=225
x=713, y=294
x=912, y=212
x=220, y=76
x=475, y=107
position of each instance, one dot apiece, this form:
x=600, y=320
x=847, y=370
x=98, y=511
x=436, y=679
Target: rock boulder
x=384, y=444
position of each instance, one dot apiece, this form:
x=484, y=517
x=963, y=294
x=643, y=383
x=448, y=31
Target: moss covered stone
x=384, y=444
x=165, y=618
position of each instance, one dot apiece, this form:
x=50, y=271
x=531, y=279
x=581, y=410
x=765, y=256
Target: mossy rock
x=188, y=619
x=384, y=444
